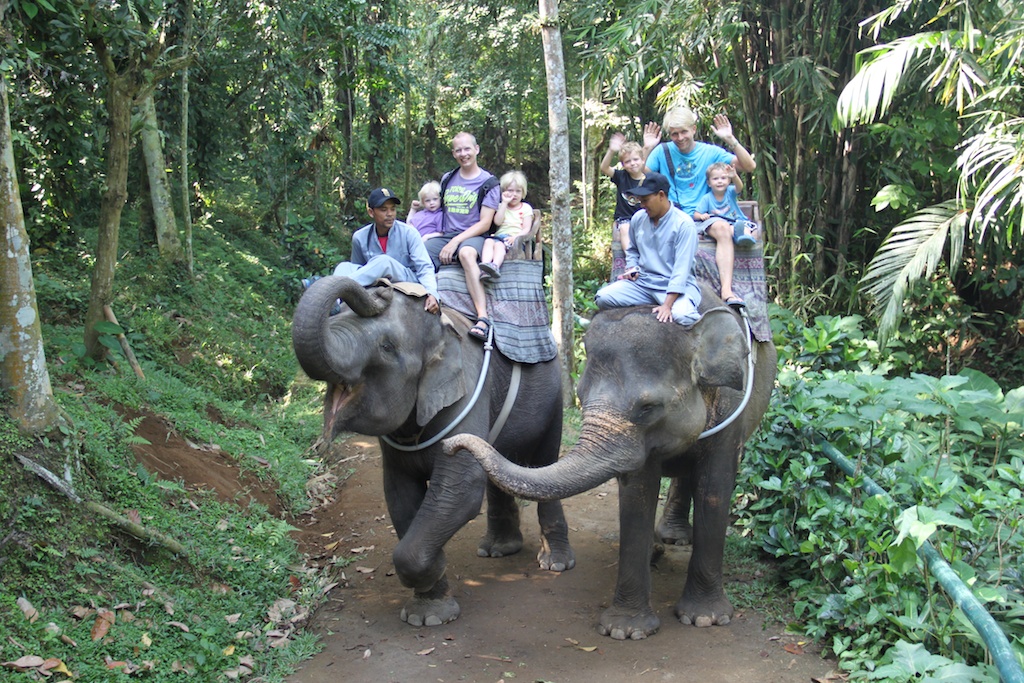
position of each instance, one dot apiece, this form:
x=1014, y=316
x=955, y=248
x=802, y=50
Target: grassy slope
x=217, y=346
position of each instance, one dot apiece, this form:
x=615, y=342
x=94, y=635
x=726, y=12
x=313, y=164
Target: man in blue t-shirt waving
x=685, y=163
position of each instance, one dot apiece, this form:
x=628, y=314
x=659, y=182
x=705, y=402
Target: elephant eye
x=386, y=346
x=645, y=412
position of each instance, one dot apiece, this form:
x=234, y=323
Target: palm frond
x=911, y=251
x=869, y=94
x=993, y=162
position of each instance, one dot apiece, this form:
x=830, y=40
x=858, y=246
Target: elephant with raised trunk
x=396, y=371
x=649, y=392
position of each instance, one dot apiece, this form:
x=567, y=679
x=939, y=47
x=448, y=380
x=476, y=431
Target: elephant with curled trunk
x=648, y=393
x=396, y=371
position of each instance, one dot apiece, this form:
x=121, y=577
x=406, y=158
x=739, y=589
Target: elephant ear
x=443, y=381
x=720, y=356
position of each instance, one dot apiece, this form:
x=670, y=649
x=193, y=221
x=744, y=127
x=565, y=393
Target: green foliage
x=977, y=200
x=950, y=451
x=219, y=370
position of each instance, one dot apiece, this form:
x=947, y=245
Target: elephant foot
x=675, y=533
x=556, y=555
x=657, y=550
x=425, y=610
x=623, y=624
x=495, y=544
x=704, y=613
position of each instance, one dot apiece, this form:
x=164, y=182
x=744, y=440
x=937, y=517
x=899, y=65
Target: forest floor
x=518, y=623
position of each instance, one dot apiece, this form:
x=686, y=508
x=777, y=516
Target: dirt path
x=519, y=623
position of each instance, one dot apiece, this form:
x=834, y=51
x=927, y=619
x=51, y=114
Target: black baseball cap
x=380, y=196
x=652, y=183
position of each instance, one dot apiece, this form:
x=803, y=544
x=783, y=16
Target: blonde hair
x=428, y=189
x=717, y=166
x=680, y=117
x=464, y=134
x=629, y=148
x=516, y=177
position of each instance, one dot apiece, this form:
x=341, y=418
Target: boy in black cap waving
x=662, y=249
x=390, y=248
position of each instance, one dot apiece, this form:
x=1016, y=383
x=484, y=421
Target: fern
x=274, y=530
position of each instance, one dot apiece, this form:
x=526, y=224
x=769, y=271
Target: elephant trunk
x=606, y=449
x=310, y=324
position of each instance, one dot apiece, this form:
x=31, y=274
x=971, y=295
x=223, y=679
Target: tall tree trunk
x=409, y=191
x=23, y=373
x=186, y=192
x=146, y=229
x=561, y=219
x=167, y=239
x=120, y=91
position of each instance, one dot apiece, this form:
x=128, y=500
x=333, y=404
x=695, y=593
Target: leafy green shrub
x=948, y=449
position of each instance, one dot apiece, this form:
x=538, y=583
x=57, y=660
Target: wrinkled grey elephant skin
x=648, y=391
x=393, y=369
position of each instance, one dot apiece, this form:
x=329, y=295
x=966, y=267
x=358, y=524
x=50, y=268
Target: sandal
x=740, y=236
x=490, y=269
x=478, y=332
x=736, y=302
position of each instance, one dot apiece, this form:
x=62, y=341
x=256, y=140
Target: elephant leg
x=631, y=615
x=503, y=536
x=555, y=552
x=704, y=602
x=674, y=527
x=403, y=492
x=452, y=499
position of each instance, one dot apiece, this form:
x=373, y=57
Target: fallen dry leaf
x=180, y=625
x=365, y=570
x=362, y=549
x=793, y=648
x=133, y=516
x=52, y=663
x=426, y=652
x=115, y=664
x=233, y=618
x=104, y=620
x=80, y=612
x=28, y=610
x=24, y=663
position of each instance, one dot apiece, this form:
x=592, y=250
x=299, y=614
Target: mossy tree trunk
x=120, y=95
x=167, y=238
x=23, y=372
x=130, y=76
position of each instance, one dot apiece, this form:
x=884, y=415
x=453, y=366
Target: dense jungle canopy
x=861, y=117
x=181, y=164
